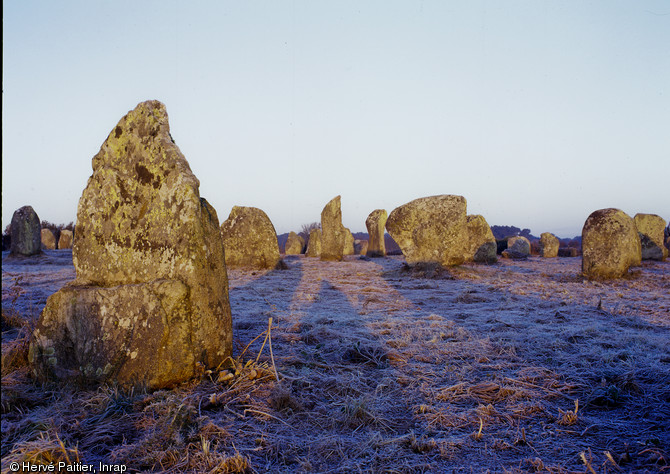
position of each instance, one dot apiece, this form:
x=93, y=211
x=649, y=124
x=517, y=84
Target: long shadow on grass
x=340, y=399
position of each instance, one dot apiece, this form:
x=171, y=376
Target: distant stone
x=481, y=244
x=249, y=239
x=65, y=239
x=360, y=247
x=610, y=244
x=431, y=229
x=348, y=248
x=651, y=231
x=568, y=252
x=549, y=244
x=26, y=232
x=519, y=244
x=332, y=231
x=149, y=306
x=314, y=243
x=376, y=225
x=294, y=244
x=48, y=239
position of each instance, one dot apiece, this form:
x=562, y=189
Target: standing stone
x=518, y=247
x=332, y=231
x=481, y=244
x=249, y=239
x=26, y=232
x=549, y=244
x=431, y=229
x=314, y=244
x=294, y=244
x=149, y=305
x=651, y=231
x=376, y=225
x=348, y=248
x=360, y=247
x=48, y=239
x=610, y=244
x=65, y=239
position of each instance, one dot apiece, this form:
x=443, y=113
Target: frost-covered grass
x=375, y=367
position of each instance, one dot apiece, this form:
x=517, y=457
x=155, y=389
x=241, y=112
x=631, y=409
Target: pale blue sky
x=537, y=112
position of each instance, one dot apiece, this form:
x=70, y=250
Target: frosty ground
x=520, y=366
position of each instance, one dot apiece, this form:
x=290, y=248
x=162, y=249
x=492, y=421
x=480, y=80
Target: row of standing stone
x=436, y=229
x=27, y=237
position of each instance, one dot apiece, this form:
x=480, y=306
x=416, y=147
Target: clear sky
x=538, y=112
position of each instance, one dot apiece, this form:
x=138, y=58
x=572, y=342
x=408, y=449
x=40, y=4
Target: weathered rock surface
x=332, y=231
x=65, y=239
x=250, y=239
x=431, y=229
x=549, y=245
x=26, y=236
x=651, y=231
x=314, y=243
x=376, y=225
x=348, y=248
x=610, y=244
x=294, y=244
x=48, y=239
x=149, y=306
x=481, y=244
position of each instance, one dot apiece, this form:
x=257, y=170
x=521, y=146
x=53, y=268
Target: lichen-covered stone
x=250, y=239
x=481, y=244
x=376, y=225
x=147, y=241
x=651, y=231
x=348, y=248
x=314, y=243
x=137, y=335
x=610, y=244
x=549, y=245
x=26, y=235
x=295, y=244
x=431, y=229
x=65, y=239
x=332, y=231
x=48, y=239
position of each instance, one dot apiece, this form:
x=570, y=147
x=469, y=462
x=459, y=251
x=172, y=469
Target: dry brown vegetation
x=369, y=366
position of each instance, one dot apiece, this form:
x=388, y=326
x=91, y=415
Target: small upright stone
x=332, y=231
x=431, y=229
x=314, y=243
x=26, y=232
x=376, y=225
x=482, y=245
x=48, y=239
x=149, y=306
x=549, y=244
x=518, y=248
x=250, y=239
x=348, y=248
x=65, y=239
x=294, y=244
x=610, y=244
x=360, y=247
x=651, y=231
